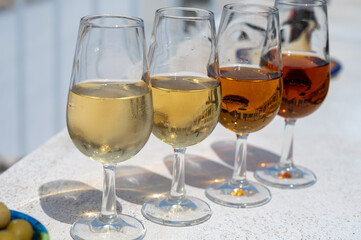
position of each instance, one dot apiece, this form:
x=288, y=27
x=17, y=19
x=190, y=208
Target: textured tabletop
x=56, y=183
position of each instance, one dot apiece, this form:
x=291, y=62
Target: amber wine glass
x=109, y=112
x=250, y=66
x=186, y=96
x=306, y=77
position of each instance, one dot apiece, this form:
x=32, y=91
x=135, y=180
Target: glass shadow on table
x=137, y=185
x=200, y=171
x=256, y=157
x=67, y=200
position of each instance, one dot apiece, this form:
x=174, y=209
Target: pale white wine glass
x=186, y=97
x=109, y=112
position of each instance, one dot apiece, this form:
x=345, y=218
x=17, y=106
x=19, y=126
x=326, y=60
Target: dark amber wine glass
x=250, y=66
x=186, y=97
x=109, y=112
x=306, y=77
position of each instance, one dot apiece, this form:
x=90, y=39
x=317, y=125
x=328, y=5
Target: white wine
x=109, y=121
x=186, y=108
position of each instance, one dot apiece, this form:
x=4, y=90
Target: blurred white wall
x=37, y=43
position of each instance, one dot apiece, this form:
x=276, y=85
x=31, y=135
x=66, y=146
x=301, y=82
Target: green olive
x=21, y=229
x=4, y=215
x=7, y=235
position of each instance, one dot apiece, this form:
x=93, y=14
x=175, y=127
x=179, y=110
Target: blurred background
x=37, y=43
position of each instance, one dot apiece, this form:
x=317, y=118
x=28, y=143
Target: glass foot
x=91, y=227
x=186, y=212
x=246, y=195
x=296, y=177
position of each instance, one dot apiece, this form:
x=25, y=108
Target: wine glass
x=250, y=67
x=306, y=78
x=186, y=98
x=109, y=111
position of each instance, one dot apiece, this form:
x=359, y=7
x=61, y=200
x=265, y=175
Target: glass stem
x=109, y=210
x=177, y=192
x=286, y=161
x=240, y=161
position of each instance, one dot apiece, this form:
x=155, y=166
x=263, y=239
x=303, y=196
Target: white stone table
x=56, y=184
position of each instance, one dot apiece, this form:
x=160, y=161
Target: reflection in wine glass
x=109, y=112
x=306, y=76
x=186, y=97
x=250, y=67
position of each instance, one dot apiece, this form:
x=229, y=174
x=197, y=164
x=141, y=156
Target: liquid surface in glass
x=109, y=121
x=305, y=85
x=250, y=97
x=186, y=108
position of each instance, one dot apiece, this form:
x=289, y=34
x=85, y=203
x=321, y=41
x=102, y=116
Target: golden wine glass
x=250, y=67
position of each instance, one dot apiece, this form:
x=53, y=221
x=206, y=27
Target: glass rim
x=263, y=9
x=134, y=22
x=304, y=3
x=206, y=14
